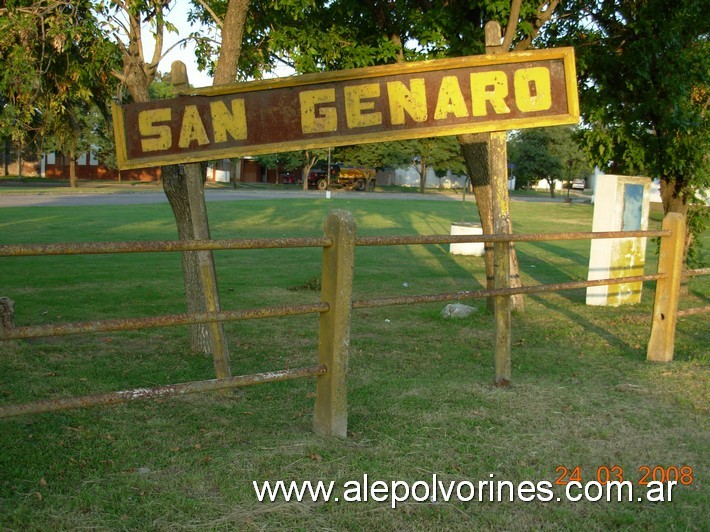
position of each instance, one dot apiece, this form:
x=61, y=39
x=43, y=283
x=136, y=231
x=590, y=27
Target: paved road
x=72, y=199
x=130, y=198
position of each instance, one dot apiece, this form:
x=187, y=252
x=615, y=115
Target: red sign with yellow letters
x=393, y=102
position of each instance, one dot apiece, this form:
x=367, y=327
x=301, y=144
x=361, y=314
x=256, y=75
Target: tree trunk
x=476, y=152
x=231, y=46
x=310, y=163
x=551, y=183
x=233, y=177
x=181, y=185
x=175, y=187
x=72, y=168
x=423, y=169
x=6, y=157
x=186, y=196
x=673, y=202
x=19, y=160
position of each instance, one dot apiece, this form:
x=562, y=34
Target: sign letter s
x=155, y=137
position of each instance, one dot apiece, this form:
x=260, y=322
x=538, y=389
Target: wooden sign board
x=393, y=102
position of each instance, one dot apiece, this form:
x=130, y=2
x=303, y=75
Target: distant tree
x=162, y=87
x=281, y=161
x=437, y=153
x=550, y=153
x=309, y=158
x=442, y=154
x=56, y=68
x=375, y=155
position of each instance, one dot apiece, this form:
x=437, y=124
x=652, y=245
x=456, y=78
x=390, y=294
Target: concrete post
x=665, y=306
x=330, y=416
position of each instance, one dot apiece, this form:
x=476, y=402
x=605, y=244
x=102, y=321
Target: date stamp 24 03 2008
x=657, y=482
x=682, y=475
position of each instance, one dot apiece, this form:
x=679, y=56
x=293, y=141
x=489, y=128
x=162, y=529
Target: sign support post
x=189, y=182
x=498, y=161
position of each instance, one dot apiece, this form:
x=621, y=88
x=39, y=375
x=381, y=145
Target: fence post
x=665, y=305
x=7, y=314
x=330, y=415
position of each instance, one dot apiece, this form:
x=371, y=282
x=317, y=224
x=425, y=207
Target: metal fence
x=338, y=243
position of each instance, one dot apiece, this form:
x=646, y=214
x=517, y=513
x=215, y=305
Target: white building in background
x=409, y=177
x=542, y=184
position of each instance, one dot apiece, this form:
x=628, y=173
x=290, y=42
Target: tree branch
x=173, y=46
x=227, y=63
x=135, y=40
x=119, y=76
x=544, y=13
x=159, y=36
x=214, y=16
x=512, y=26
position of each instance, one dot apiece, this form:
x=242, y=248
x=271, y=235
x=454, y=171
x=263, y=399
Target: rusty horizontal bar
x=130, y=324
x=150, y=246
x=110, y=398
x=698, y=271
x=531, y=237
x=693, y=311
x=476, y=294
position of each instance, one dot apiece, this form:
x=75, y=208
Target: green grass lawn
x=421, y=400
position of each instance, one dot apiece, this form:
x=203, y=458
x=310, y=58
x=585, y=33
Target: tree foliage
x=306, y=35
x=318, y=35
x=440, y=154
x=644, y=72
x=125, y=22
x=56, y=71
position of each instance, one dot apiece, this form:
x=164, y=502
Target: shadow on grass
x=550, y=273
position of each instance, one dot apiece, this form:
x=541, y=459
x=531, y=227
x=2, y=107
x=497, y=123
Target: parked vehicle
x=289, y=178
x=579, y=184
x=347, y=177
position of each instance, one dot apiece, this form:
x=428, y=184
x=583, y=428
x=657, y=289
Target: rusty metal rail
x=132, y=324
x=476, y=294
x=112, y=398
x=693, y=311
x=696, y=272
x=523, y=237
x=698, y=310
x=151, y=246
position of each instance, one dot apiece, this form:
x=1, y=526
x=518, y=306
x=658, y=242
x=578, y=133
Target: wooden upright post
x=665, y=306
x=208, y=276
x=330, y=416
x=194, y=217
x=498, y=161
